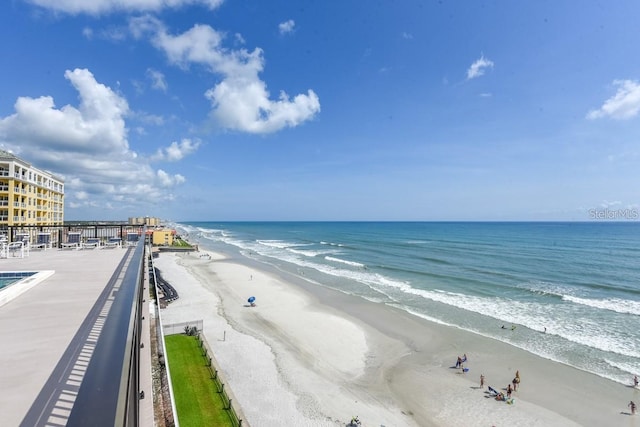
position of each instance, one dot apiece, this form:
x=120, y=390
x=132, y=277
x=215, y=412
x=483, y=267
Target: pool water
x=10, y=277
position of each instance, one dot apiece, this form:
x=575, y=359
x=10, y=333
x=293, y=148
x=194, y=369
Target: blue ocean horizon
x=570, y=289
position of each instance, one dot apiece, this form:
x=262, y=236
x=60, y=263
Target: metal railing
x=109, y=394
x=59, y=233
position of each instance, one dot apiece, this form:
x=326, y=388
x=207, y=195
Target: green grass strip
x=197, y=401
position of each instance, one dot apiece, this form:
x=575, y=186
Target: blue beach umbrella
x=251, y=300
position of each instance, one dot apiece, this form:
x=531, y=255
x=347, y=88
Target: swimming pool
x=10, y=277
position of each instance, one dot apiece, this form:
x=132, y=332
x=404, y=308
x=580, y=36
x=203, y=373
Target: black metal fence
x=60, y=233
x=196, y=325
x=215, y=376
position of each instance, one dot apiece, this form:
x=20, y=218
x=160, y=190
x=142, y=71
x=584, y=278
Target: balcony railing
x=109, y=393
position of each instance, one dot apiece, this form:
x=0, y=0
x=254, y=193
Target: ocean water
x=572, y=290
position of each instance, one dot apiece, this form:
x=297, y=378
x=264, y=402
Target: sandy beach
x=310, y=356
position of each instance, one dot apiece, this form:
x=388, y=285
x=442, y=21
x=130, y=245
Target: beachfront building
x=28, y=195
x=163, y=237
x=145, y=220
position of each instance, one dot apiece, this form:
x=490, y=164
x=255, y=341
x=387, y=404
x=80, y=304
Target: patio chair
x=73, y=241
x=24, y=238
x=113, y=242
x=132, y=239
x=43, y=241
x=3, y=246
x=26, y=243
x=16, y=250
x=91, y=243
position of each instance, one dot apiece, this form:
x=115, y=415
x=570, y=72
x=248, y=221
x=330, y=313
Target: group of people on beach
x=460, y=362
x=500, y=396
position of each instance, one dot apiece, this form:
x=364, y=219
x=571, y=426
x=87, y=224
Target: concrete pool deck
x=48, y=331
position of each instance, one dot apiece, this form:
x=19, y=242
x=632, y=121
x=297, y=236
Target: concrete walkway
x=47, y=334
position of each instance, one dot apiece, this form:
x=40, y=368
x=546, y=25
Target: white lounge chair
x=24, y=238
x=3, y=245
x=73, y=241
x=113, y=242
x=132, y=239
x=26, y=244
x=43, y=241
x=16, y=250
x=91, y=243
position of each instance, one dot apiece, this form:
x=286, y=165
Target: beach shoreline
x=315, y=356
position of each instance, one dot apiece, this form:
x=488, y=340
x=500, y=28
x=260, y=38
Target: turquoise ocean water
x=580, y=281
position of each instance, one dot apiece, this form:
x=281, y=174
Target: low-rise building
x=163, y=237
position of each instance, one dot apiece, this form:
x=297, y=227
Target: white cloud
x=157, y=80
x=287, y=26
x=241, y=100
x=625, y=104
x=239, y=39
x=177, y=150
x=167, y=180
x=407, y=36
x=86, y=145
x=97, y=125
x=97, y=7
x=478, y=67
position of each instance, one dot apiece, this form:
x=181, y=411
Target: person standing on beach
x=635, y=381
x=632, y=405
x=481, y=380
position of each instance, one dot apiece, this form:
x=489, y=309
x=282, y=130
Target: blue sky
x=308, y=110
